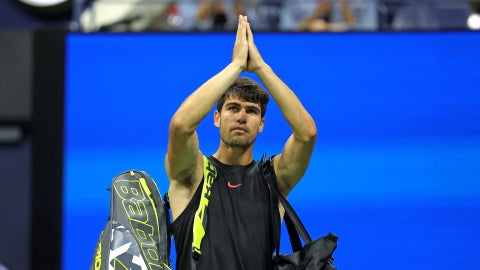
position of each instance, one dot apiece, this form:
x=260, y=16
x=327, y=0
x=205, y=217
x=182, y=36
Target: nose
x=241, y=116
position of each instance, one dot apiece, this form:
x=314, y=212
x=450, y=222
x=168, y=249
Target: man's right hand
x=255, y=60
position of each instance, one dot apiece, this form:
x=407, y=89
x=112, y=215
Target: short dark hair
x=248, y=90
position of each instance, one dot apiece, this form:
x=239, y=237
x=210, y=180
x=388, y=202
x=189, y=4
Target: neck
x=234, y=155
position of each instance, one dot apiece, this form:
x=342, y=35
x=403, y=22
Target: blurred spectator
x=318, y=15
x=367, y=14
x=264, y=15
x=322, y=18
x=219, y=15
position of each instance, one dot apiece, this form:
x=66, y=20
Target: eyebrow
x=234, y=103
x=253, y=108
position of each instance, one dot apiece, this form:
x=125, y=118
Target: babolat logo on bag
x=136, y=236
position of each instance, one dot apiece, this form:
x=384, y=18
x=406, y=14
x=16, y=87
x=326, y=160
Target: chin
x=238, y=143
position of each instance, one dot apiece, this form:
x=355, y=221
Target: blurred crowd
x=271, y=15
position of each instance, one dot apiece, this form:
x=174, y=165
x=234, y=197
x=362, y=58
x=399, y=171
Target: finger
x=243, y=28
x=239, y=28
x=241, y=31
x=249, y=33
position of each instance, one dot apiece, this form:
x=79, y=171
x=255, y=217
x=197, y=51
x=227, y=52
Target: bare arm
x=184, y=162
x=183, y=150
x=292, y=163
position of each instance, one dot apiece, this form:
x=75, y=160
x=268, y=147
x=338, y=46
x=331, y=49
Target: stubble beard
x=242, y=143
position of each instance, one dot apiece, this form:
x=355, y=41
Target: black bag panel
x=319, y=253
x=290, y=261
x=316, y=255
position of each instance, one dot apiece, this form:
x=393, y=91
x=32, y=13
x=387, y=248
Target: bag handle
x=295, y=227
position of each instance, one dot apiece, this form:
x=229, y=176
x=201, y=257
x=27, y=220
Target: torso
x=238, y=234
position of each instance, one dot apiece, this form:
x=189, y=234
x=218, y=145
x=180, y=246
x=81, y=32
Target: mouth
x=239, y=129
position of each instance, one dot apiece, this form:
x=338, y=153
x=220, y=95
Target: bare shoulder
x=181, y=190
x=286, y=174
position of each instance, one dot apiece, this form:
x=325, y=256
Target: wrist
x=237, y=66
x=234, y=68
x=264, y=67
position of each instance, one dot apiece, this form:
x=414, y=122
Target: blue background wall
x=396, y=169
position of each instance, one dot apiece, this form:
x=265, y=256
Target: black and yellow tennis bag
x=137, y=233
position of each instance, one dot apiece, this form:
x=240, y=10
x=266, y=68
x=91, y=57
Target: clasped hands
x=245, y=53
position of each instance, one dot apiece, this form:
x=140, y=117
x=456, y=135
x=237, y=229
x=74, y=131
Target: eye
x=233, y=109
x=252, y=111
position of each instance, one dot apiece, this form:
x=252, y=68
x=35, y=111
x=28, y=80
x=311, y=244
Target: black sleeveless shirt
x=239, y=231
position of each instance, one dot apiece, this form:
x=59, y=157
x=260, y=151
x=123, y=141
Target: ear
x=216, y=118
x=262, y=124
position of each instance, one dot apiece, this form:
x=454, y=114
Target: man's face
x=239, y=122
